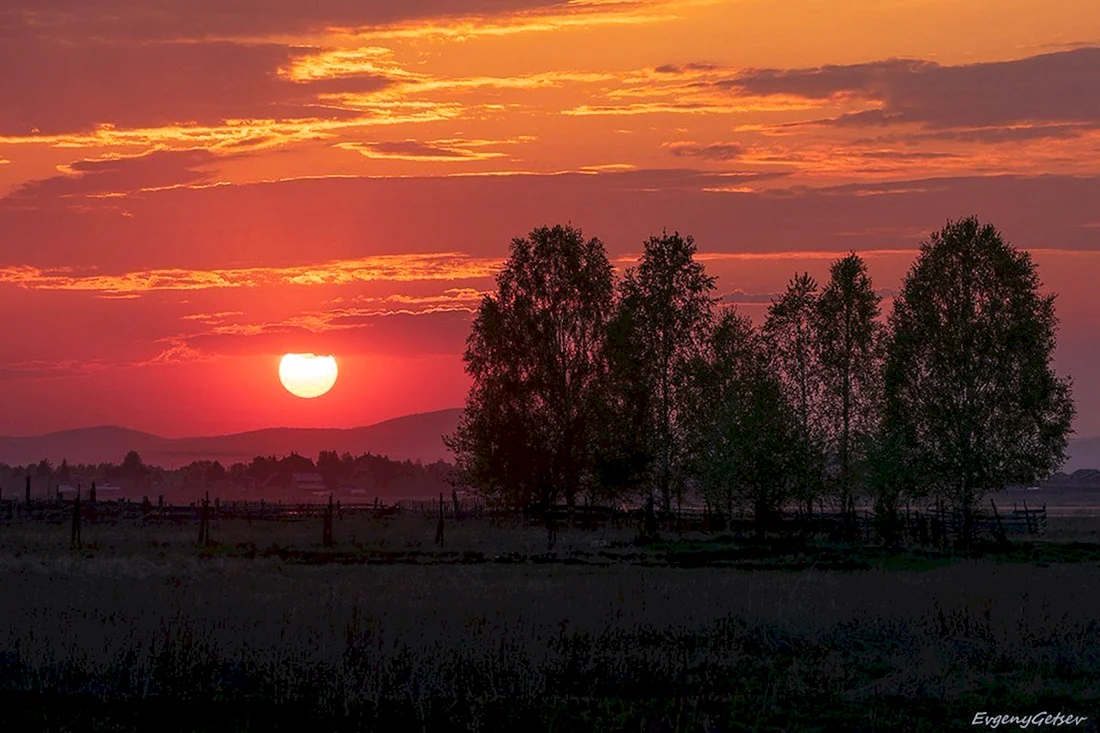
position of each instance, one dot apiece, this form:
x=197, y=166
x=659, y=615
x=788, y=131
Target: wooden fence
x=925, y=525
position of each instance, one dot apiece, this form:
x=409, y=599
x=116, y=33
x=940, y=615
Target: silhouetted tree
x=743, y=429
x=848, y=342
x=970, y=389
x=662, y=321
x=331, y=468
x=294, y=463
x=261, y=468
x=891, y=475
x=624, y=442
x=132, y=465
x=535, y=352
x=789, y=331
x=214, y=472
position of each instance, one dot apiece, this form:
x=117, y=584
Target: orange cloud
x=410, y=267
x=708, y=106
x=176, y=352
x=709, y=151
x=155, y=169
x=211, y=317
x=1050, y=87
x=432, y=150
x=40, y=369
x=342, y=63
x=575, y=14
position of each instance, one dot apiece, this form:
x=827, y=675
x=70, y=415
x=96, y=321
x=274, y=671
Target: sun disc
x=307, y=375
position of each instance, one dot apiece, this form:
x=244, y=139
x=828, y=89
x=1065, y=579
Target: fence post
x=439, y=526
x=204, y=522
x=28, y=489
x=680, y=516
x=942, y=514
x=326, y=528
x=650, y=521
x=75, y=542
x=1001, y=537
x=1027, y=516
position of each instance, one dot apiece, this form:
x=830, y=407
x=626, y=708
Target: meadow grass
x=143, y=630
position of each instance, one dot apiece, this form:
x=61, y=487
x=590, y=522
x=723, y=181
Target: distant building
x=102, y=490
x=244, y=482
x=311, y=482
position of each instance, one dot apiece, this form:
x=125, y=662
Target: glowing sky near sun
x=189, y=190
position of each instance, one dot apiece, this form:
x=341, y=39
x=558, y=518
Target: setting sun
x=307, y=375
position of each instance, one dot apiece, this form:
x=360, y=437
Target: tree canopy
x=970, y=388
x=848, y=345
x=639, y=391
x=535, y=354
x=744, y=430
x=789, y=333
x=662, y=319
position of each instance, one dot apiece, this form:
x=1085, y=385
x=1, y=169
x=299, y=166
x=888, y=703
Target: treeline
x=648, y=386
x=366, y=470
x=132, y=472
x=336, y=470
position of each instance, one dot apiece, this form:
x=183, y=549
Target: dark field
x=268, y=631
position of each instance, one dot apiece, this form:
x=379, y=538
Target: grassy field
x=142, y=630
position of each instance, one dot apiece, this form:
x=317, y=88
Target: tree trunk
x=760, y=519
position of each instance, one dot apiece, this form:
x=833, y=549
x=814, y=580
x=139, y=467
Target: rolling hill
x=1083, y=453
x=412, y=437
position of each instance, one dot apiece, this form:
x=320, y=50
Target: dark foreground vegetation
x=266, y=630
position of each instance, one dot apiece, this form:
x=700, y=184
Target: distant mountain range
x=412, y=437
x=1083, y=453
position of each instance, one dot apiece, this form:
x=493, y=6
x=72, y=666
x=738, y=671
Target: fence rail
x=932, y=524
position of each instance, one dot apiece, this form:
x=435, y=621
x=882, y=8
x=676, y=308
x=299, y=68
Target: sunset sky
x=188, y=190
